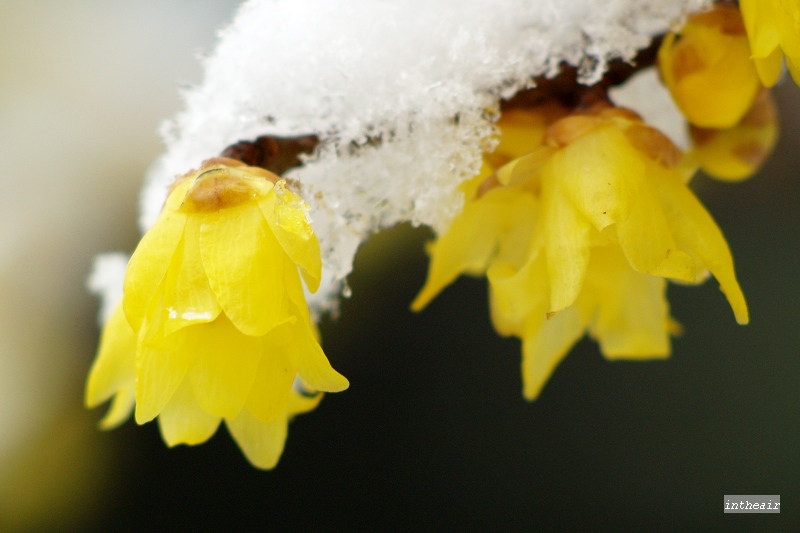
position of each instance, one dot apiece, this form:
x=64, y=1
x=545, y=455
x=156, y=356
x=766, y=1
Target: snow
x=418, y=76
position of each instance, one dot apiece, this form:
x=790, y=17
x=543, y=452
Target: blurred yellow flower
x=736, y=153
x=214, y=323
x=708, y=69
x=579, y=235
x=773, y=27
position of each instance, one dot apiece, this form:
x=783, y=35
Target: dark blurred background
x=433, y=432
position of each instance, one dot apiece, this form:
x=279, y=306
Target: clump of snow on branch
x=398, y=93
x=105, y=281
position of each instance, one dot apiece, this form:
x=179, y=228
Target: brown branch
x=276, y=154
x=279, y=154
x=565, y=86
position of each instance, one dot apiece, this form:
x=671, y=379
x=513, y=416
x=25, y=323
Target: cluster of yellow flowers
x=577, y=232
x=578, y=218
x=708, y=69
x=214, y=323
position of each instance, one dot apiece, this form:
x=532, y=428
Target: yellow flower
x=214, y=323
x=579, y=235
x=736, y=153
x=773, y=27
x=708, y=70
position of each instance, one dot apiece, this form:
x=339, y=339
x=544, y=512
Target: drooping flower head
x=577, y=233
x=707, y=67
x=773, y=27
x=710, y=73
x=214, y=323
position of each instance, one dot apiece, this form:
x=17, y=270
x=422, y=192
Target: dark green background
x=434, y=433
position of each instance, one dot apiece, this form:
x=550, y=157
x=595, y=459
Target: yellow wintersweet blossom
x=213, y=322
x=773, y=27
x=736, y=153
x=707, y=67
x=578, y=235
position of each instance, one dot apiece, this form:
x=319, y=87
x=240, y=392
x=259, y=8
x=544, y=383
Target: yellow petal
x=183, y=421
x=115, y=365
x=599, y=173
x=794, y=68
x=694, y=230
x=274, y=377
x=261, y=442
x=760, y=20
x=632, y=317
x=313, y=366
x=244, y=264
x=646, y=240
x=286, y=214
x=297, y=304
x=178, y=191
x=473, y=239
x=769, y=68
x=788, y=21
x=148, y=265
x=225, y=366
x=568, y=239
x=522, y=131
x=545, y=346
x=188, y=298
x=524, y=168
x=121, y=408
x=518, y=296
x=522, y=236
x=300, y=403
x=161, y=364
